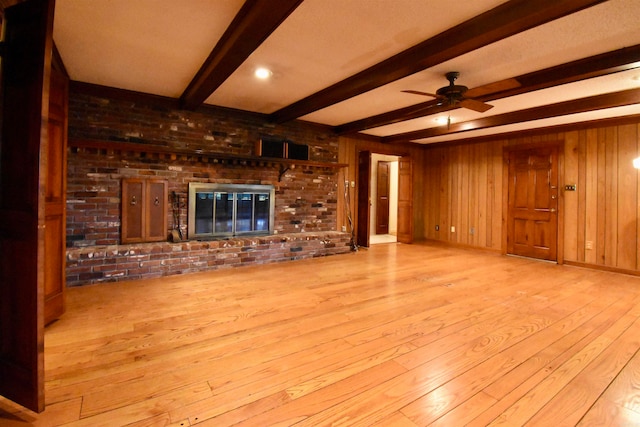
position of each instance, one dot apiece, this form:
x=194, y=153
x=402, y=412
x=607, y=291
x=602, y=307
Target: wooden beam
x=594, y=66
x=510, y=18
x=255, y=21
x=582, y=105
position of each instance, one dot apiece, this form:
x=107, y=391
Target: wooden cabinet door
x=144, y=210
x=55, y=200
x=133, y=193
x=156, y=211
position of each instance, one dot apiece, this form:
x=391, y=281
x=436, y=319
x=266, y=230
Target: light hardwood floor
x=397, y=335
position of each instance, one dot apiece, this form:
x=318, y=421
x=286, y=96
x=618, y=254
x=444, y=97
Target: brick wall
x=306, y=197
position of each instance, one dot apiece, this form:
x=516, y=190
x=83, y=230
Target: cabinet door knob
x=156, y=201
x=133, y=200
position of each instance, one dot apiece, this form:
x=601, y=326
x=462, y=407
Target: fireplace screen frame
x=231, y=195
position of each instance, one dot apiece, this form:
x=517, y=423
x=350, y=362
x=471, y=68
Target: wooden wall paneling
x=490, y=196
x=473, y=164
x=497, y=198
x=592, y=186
x=417, y=165
x=581, y=196
x=603, y=213
x=505, y=199
x=462, y=230
x=445, y=200
x=454, y=194
x=436, y=161
x=627, y=195
x=611, y=201
x=480, y=235
x=560, y=219
x=431, y=190
x=570, y=211
x=427, y=203
x=600, y=195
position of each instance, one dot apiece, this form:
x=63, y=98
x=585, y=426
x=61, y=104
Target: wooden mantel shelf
x=210, y=157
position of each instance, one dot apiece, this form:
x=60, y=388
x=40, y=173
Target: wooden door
x=364, y=198
x=405, y=200
x=532, y=219
x=383, y=180
x=26, y=64
x=55, y=200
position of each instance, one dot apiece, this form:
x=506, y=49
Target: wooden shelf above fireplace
x=200, y=155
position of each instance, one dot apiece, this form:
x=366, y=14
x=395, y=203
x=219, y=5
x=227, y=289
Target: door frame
x=363, y=196
x=506, y=150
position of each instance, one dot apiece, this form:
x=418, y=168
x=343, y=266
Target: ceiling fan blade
x=494, y=87
x=417, y=92
x=475, y=105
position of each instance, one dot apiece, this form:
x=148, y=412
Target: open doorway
x=383, y=215
x=364, y=201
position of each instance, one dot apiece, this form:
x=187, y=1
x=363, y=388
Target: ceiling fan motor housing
x=453, y=92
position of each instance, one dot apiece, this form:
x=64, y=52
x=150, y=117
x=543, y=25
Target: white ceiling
x=157, y=47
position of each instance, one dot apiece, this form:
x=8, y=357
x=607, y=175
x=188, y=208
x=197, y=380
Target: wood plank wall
x=463, y=189
x=462, y=186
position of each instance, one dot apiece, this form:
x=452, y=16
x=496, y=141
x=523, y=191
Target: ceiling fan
x=454, y=95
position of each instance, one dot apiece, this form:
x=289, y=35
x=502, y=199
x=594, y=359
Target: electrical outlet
x=588, y=245
x=344, y=228
x=453, y=229
x=437, y=228
x=472, y=231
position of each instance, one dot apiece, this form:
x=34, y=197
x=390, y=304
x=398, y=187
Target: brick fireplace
x=112, y=137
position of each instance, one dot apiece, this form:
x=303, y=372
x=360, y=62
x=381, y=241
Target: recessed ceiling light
x=263, y=73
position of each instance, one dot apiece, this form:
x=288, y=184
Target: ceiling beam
x=255, y=21
x=594, y=66
x=496, y=24
x=582, y=105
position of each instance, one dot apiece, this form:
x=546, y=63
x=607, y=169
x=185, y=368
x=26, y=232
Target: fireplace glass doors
x=227, y=210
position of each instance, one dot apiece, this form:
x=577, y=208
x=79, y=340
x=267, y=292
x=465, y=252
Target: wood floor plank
x=443, y=399
x=405, y=335
x=525, y=377
x=526, y=407
x=579, y=395
x=607, y=413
